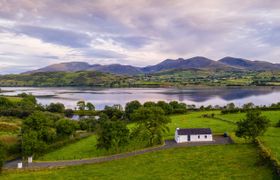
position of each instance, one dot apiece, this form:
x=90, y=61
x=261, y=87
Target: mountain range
x=198, y=62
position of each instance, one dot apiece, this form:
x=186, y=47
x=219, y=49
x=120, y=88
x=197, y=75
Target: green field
x=211, y=162
x=86, y=148
x=236, y=161
x=14, y=99
x=273, y=116
x=271, y=139
x=195, y=120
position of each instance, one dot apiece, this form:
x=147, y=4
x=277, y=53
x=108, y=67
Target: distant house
x=193, y=135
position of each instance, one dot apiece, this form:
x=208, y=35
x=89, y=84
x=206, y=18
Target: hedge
x=268, y=156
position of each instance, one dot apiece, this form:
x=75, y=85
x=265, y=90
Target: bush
x=56, y=107
x=69, y=113
x=268, y=156
x=8, y=127
x=278, y=124
x=2, y=156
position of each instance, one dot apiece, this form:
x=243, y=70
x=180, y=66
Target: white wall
x=194, y=138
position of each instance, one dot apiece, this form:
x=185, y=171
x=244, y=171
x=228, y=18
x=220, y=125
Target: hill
x=249, y=65
x=83, y=66
x=192, y=63
x=198, y=62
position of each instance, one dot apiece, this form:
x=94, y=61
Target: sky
x=37, y=33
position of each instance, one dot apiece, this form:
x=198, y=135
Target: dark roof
x=194, y=131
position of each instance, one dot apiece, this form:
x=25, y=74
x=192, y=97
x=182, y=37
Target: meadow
x=86, y=148
x=235, y=161
x=273, y=116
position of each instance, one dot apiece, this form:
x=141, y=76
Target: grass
x=14, y=99
x=9, y=119
x=271, y=139
x=195, y=120
x=85, y=148
x=273, y=116
x=212, y=162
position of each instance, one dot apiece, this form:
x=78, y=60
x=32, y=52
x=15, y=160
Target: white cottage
x=193, y=135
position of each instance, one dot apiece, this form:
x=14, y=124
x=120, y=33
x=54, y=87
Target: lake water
x=198, y=96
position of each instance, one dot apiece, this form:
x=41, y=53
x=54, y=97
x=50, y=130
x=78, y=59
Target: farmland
x=86, y=148
x=272, y=137
x=214, y=162
x=220, y=161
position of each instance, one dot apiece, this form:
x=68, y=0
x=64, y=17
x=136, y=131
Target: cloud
x=56, y=36
x=137, y=32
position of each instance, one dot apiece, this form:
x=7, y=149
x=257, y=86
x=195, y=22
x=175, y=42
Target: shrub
x=268, y=156
x=2, y=155
x=278, y=124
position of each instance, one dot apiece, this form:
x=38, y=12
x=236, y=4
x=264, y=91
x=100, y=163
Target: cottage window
x=198, y=137
x=205, y=136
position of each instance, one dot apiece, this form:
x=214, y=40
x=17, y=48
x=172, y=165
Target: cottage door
x=189, y=137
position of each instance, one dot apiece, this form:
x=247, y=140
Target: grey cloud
x=132, y=41
x=179, y=28
x=56, y=36
x=101, y=53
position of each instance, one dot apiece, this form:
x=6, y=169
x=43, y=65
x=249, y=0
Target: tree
x=113, y=112
x=165, y=107
x=278, y=124
x=153, y=121
x=81, y=105
x=252, y=126
x=31, y=144
x=56, y=107
x=230, y=106
x=43, y=124
x=5, y=103
x=69, y=113
x=88, y=124
x=112, y=134
x=90, y=106
x=130, y=107
x=178, y=107
x=248, y=106
x=65, y=127
x=149, y=104
x=2, y=155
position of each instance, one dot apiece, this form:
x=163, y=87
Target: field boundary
x=268, y=156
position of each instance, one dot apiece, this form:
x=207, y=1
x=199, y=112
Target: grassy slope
x=85, y=148
x=7, y=135
x=14, y=99
x=214, y=162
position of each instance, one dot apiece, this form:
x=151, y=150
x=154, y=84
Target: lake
x=107, y=96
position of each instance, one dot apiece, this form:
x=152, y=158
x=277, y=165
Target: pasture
x=86, y=148
x=236, y=161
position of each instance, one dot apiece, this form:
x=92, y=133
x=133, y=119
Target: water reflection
x=198, y=96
